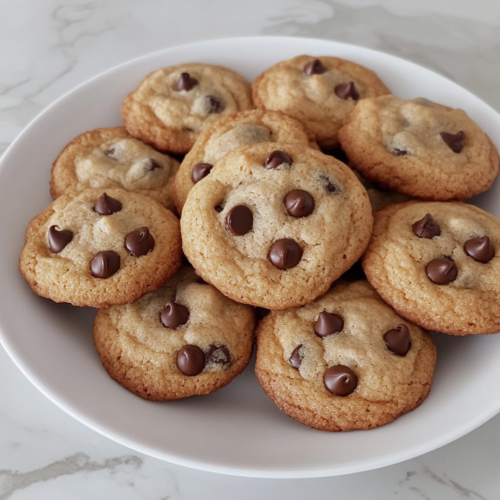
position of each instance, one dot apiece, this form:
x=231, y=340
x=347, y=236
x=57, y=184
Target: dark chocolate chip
x=191, y=360
x=239, y=220
x=480, y=249
x=398, y=340
x=277, y=158
x=218, y=355
x=426, y=227
x=261, y=312
x=200, y=170
x=327, y=324
x=399, y=152
x=441, y=271
x=153, y=164
x=296, y=357
x=139, y=242
x=104, y=264
x=340, y=380
x=346, y=90
x=174, y=315
x=214, y=104
x=110, y=152
x=314, y=67
x=105, y=205
x=285, y=253
x=59, y=239
x=299, y=203
x=454, y=141
x=218, y=208
x=330, y=187
x=185, y=82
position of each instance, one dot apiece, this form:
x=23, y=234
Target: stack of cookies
x=282, y=187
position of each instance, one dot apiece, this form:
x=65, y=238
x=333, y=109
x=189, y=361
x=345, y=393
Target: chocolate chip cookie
x=346, y=361
x=171, y=106
x=96, y=248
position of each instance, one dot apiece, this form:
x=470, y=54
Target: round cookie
x=171, y=106
x=419, y=148
x=319, y=92
x=274, y=228
x=96, y=248
x=111, y=158
x=436, y=265
x=346, y=361
x=229, y=133
x=181, y=340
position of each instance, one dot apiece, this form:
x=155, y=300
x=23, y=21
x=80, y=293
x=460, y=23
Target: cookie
x=419, y=148
x=171, y=106
x=435, y=263
x=111, y=158
x=319, y=92
x=274, y=228
x=183, y=339
x=96, y=248
x=346, y=361
x=229, y=133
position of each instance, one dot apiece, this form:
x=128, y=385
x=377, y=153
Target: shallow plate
x=236, y=430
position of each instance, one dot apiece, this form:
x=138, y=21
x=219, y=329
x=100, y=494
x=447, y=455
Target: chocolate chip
x=105, y=205
x=201, y=170
x=454, y=141
x=261, y=312
x=285, y=253
x=441, y=271
x=277, y=158
x=346, y=90
x=480, y=249
x=330, y=187
x=340, y=380
x=153, y=164
x=239, y=220
x=399, y=152
x=110, y=152
x=104, y=264
x=214, y=104
x=327, y=324
x=218, y=355
x=296, y=357
x=185, y=82
x=174, y=315
x=218, y=208
x=139, y=242
x=314, y=67
x=398, y=340
x=191, y=360
x=59, y=239
x=299, y=203
x=426, y=227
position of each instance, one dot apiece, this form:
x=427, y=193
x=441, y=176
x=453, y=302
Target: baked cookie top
x=112, y=158
x=229, y=133
x=346, y=361
x=100, y=247
x=419, y=148
x=273, y=228
x=171, y=106
x=184, y=338
x=318, y=91
x=436, y=264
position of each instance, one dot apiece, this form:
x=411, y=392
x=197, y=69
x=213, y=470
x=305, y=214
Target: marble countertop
x=49, y=47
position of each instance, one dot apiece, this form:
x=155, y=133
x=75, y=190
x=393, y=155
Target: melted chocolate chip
x=299, y=203
x=285, y=253
x=327, y=324
x=104, y=264
x=296, y=357
x=454, y=141
x=191, y=360
x=59, y=239
x=277, y=158
x=480, y=249
x=185, y=82
x=174, y=315
x=214, y=104
x=218, y=355
x=105, y=205
x=399, y=152
x=153, y=165
x=139, y=242
x=201, y=170
x=346, y=90
x=340, y=380
x=239, y=220
x=426, y=227
x=314, y=67
x=398, y=340
x=441, y=271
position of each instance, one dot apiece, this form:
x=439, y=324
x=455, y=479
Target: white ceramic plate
x=236, y=430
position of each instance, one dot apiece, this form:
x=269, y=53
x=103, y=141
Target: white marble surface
x=48, y=47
